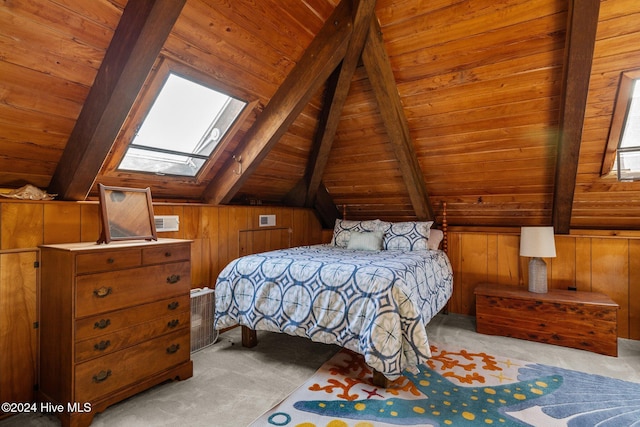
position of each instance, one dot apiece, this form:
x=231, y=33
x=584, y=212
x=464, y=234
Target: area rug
x=458, y=387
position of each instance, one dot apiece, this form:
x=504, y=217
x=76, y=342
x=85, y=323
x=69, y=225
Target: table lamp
x=537, y=243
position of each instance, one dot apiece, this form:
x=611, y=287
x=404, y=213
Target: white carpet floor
x=232, y=385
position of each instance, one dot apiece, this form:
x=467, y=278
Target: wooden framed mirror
x=126, y=214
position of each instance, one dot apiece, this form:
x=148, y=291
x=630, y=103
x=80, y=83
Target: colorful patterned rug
x=458, y=387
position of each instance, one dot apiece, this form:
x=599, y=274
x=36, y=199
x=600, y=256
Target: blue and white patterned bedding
x=376, y=303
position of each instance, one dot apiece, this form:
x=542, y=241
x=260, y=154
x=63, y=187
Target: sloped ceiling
x=500, y=109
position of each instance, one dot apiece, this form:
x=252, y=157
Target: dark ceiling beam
x=310, y=191
x=580, y=41
x=326, y=208
x=136, y=43
x=323, y=204
x=382, y=80
x=319, y=60
x=364, y=13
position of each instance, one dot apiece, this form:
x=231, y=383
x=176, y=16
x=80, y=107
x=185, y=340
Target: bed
x=372, y=290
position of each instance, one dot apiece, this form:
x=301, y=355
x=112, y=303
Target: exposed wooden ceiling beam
x=364, y=13
x=323, y=204
x=382, y=80
x=581, y=36
x=319, y=60
x=136, y=43
x=325, y=207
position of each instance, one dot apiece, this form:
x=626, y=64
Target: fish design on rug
x=445, y=404
x=586, y=399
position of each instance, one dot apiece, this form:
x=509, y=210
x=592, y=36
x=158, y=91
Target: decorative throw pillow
x=343, y=228
x=367, y=240
x=435, y=237
x=408, y=236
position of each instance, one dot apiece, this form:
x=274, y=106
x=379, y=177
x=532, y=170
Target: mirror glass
x=127, y=214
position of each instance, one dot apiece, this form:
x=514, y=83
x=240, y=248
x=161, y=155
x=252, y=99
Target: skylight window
x=622, y=155
x=185, y=124
x=628, y=155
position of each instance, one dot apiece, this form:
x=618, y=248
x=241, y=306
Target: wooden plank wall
x=262, y=240
x=597, y=261
x=590, y=261
x=215, y=230
x=18, y=336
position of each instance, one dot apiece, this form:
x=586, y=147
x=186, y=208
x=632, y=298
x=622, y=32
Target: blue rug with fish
x=457, y=387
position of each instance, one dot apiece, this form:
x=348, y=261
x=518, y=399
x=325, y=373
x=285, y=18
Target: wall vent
x=167, y=222
x=203, y=309
x=267, y=220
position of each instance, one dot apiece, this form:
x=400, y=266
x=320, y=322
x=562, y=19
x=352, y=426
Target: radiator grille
x=202, y=310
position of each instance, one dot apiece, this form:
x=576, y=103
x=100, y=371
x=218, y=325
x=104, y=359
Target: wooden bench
x=582, y=320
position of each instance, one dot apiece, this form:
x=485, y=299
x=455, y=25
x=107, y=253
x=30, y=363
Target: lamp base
x=537, y=276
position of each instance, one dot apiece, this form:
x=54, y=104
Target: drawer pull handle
x=102, y=292
x=173, y=323
x=167, y=254
x=174, y=278
x=101, y=376
x=173, y=348
x=102, y=345
x=173, y=305
x=102, y=324
x=110, y=261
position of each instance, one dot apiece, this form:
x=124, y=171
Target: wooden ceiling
x=501, y=109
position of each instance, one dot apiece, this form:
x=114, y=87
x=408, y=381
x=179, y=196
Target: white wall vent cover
x=267, y=220
x=167, y=222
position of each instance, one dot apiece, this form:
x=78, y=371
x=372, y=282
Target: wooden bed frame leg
x=249, y=337
x=380, y=380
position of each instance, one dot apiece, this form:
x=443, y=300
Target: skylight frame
x=203, y=162
x=615, y=151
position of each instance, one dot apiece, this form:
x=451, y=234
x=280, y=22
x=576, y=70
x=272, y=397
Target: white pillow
x=435, y=237
x=366, y=241
x=343, y=229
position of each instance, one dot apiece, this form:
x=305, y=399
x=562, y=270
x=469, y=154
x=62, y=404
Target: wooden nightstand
x=583, y=320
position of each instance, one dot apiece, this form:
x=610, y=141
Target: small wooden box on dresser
x=114, y=320
x=583, y=320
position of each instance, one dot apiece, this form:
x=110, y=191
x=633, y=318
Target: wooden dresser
x=114, y=320
x=583, y=320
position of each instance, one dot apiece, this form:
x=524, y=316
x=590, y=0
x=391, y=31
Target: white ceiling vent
x=167, y=222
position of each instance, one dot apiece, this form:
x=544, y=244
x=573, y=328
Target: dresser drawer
x=107, y=323
x=96, y=262
x=102, y=376
x=102, y=292
x=162, y=254
x=106, y=344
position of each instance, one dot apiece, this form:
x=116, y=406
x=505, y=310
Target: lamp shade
x=537, y=242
